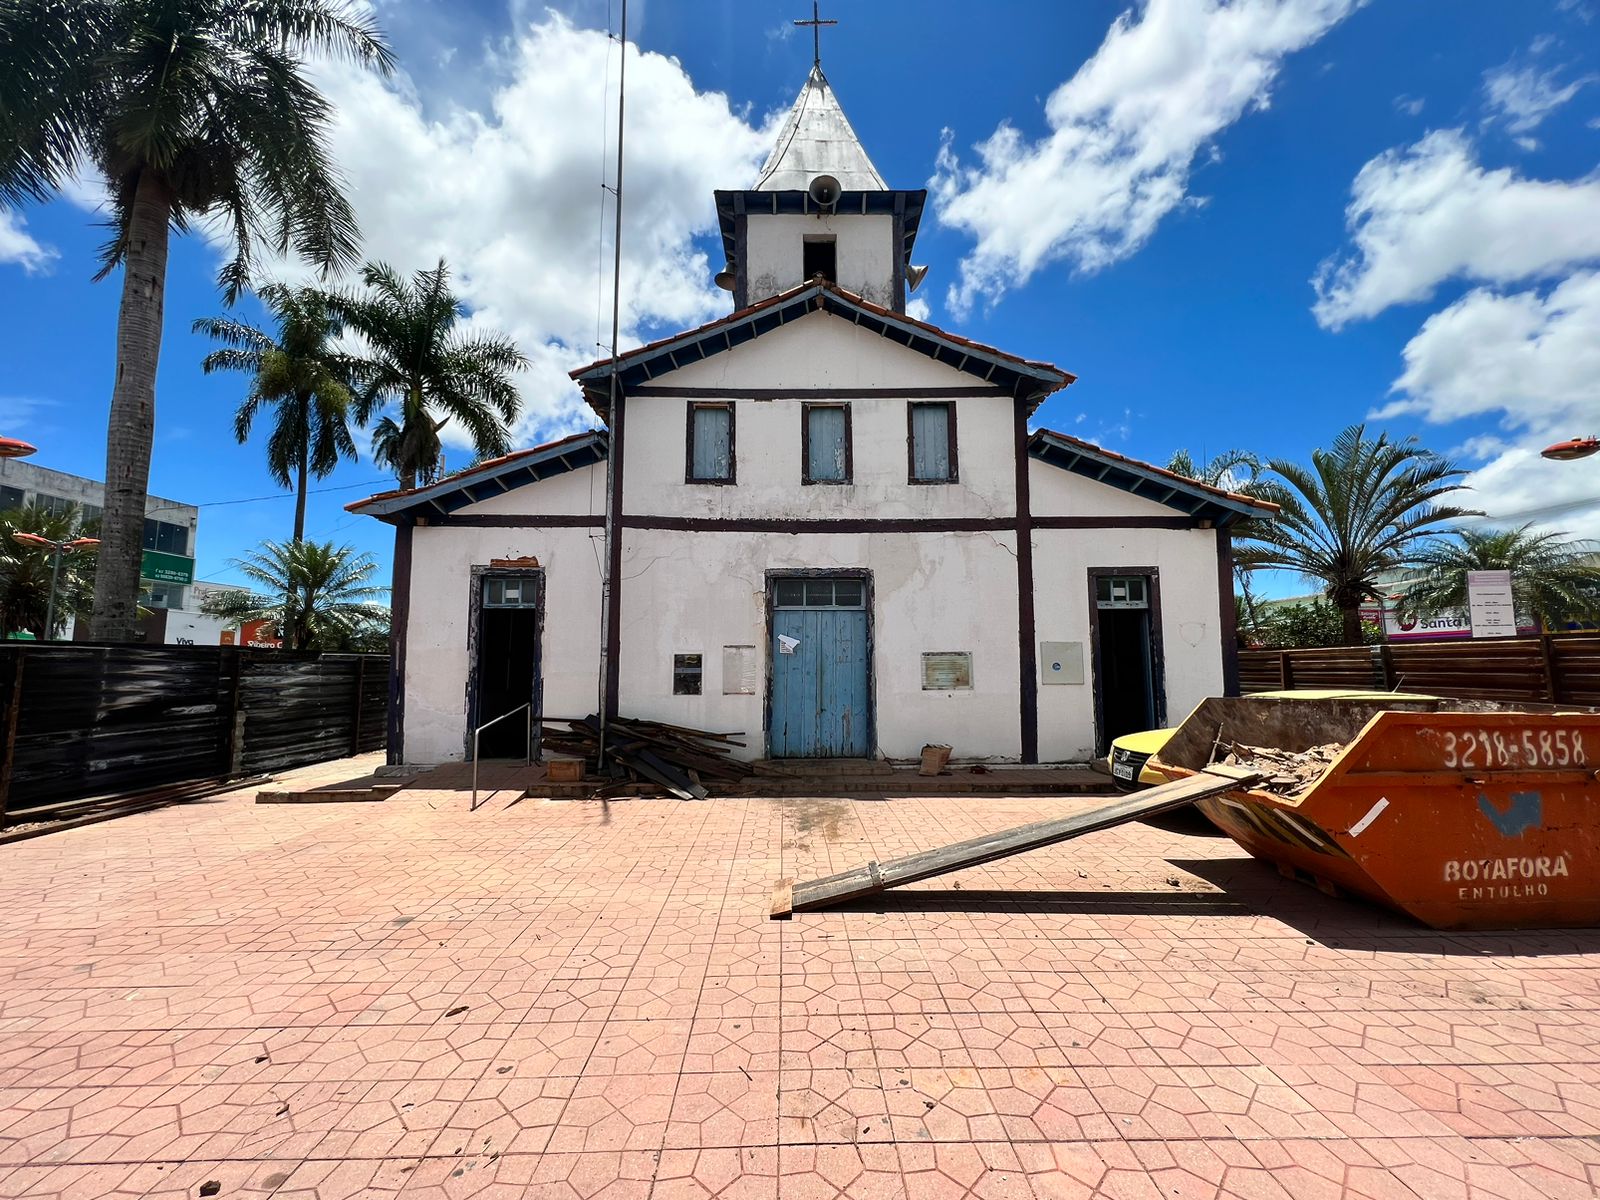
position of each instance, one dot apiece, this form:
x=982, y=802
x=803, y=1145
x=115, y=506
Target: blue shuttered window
x=827, y=443
x=710, y=443
x=933, y=443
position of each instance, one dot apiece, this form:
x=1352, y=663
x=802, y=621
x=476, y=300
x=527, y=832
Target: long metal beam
x=876, y=877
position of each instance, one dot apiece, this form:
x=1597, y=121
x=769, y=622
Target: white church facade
x=834, y=529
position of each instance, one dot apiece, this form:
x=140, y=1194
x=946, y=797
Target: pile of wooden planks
x=676, y=759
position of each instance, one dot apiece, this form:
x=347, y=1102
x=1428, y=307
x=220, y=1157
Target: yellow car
x=1132, y=751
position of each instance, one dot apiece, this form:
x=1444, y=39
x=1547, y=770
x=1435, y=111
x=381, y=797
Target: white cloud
x=1529, y=360
x=510, y=194
x=1410, y=105
x=1532, y=357
x=1524, y=96
x=1428, y=213
x=1124, y=133
x=18, y=246
x=918, y=308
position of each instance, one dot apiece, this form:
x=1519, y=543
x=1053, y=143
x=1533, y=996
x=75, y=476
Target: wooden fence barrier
x=1559, y=668
x=79, y=719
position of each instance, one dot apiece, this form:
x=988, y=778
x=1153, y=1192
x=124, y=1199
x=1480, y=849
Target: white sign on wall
x=738, y=670
x=1490, y=605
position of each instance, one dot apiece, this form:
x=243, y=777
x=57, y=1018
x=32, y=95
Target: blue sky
x=1242, y=224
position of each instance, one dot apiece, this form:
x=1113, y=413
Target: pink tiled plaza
x=576, y=999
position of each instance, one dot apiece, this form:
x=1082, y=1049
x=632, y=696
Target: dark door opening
x=1127, y=667
x=506, y=669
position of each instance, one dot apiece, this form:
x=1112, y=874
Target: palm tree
x=315, y=593
x=1553, y=581
x=192, y=111
x=1363, y=507
x=303, y=378
x=1236, y=471
x=421, y=362
x=25, y=570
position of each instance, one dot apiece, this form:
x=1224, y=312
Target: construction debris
x=673, y=757
x=1287, y=771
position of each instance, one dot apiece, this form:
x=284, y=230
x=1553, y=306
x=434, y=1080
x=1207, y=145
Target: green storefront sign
x=161, y=567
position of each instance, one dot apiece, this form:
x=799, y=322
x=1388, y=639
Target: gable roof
x=487, y=479
x=1026, y=380
x=1199, y=500
x=817, y=139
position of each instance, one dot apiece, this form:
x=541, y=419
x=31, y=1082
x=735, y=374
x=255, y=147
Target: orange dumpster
x=1463, y=814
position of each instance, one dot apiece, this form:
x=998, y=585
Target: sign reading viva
x=1490, y=604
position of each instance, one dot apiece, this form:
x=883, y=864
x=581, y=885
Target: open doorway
x=1125, y=619
x=507, y=617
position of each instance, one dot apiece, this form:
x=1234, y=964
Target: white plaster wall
x=693, y=593
x=1056, y=492
x=819, y=351
x=1186, y=562
x=442, y=558
x=575, y=493
x=864, y=245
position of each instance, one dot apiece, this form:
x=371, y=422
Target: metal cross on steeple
x=816, y=23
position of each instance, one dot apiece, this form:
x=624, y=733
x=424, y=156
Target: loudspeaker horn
x=725, y=278
x=825, y=192
x=914, y=277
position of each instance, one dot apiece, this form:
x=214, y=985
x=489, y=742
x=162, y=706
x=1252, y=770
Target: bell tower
x=819, y=207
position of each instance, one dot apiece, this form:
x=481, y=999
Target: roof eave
x=870, y=202
x=1202, y=502
x=475, y=484
x=1029, y=382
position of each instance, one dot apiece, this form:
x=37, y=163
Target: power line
x=344, y=487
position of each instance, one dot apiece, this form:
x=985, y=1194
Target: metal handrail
x=527, y=758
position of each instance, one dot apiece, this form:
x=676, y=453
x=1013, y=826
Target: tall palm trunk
x=301, y=470
x=131, y=427
x=1351, y=618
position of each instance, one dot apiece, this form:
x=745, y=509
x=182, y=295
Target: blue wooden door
x=821, y=703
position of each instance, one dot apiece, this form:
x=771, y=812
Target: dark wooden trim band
x=519, y=521
x=760, y=524
x=863, y=393
x=399, y=620
x=1228, y=615
x=1027, y=660
x=613, y=613
x=833, y=525
x=1114, y=523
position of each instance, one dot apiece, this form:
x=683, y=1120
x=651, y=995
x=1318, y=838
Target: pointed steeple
x=817, y=139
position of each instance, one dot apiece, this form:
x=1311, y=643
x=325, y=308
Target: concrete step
x=816, y=768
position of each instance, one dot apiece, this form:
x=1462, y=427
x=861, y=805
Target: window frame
x=820, y=239
x=805, y=445
x=911, y=442
x=683, y=672
x=732, y=478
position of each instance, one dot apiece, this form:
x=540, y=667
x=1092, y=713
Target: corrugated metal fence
x=1562, y=668
x=80, y=720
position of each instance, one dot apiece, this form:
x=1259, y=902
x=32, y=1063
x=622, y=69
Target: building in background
x=170, y=532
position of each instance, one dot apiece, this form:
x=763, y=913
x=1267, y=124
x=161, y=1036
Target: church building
x=835, y=529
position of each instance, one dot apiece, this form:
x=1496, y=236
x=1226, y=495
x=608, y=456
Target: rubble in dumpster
x=1288, y=771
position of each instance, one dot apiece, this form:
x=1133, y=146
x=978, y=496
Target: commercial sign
x=160, y=567
x=1489, y=601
